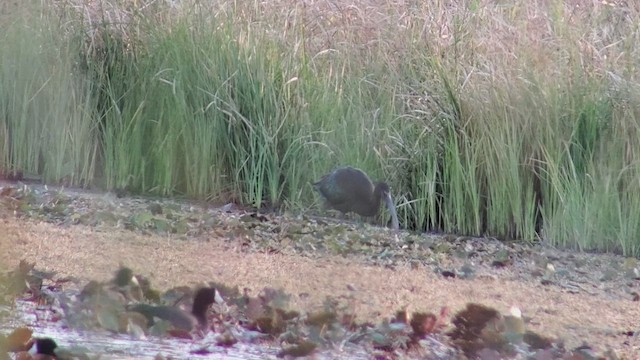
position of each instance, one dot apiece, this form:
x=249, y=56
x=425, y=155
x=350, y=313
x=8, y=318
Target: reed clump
x=513, y=120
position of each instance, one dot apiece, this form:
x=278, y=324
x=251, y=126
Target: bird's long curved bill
x=392, y=209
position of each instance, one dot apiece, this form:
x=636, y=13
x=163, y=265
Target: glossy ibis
x=348, y=189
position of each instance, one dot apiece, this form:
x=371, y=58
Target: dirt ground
x=86, y=253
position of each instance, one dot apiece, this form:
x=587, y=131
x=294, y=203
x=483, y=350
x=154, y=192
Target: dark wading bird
x=348, y=189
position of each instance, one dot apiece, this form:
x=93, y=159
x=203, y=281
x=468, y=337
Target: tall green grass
x=215, y=111
x=498, y=120
x=46, y=122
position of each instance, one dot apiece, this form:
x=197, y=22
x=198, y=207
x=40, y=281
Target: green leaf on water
x=107, y=318
x=181, y=227
x=142, y=219
x=160, y=328
x=161, y=225
x=106, y=217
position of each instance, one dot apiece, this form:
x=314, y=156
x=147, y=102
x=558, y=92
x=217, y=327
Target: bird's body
x=179, y=318
x=348, y=189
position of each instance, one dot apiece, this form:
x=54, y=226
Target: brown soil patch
x=377, y=292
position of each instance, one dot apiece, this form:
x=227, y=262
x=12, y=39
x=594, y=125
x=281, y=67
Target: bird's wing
x=354, y=184
x=330, y=190
x=345, y=186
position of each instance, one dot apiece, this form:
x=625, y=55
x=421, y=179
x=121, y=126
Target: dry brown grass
x=537, y=36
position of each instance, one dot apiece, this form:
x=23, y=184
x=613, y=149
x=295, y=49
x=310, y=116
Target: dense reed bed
x=513, y=120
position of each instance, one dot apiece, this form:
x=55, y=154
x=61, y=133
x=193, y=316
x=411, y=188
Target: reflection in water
x=122, y=346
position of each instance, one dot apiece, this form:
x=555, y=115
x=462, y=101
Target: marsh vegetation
x=512, y=120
